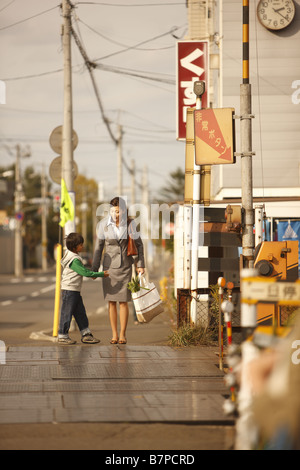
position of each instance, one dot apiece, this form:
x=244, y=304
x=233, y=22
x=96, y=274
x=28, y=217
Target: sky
x=134, y=39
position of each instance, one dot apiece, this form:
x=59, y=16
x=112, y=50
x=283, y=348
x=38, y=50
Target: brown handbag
x=131, y=247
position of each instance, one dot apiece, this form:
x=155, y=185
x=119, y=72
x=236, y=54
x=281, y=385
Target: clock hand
x=278, y=11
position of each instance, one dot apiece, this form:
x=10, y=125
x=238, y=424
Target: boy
x=72, y=304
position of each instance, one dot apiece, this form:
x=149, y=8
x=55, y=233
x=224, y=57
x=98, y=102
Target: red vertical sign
x=192, y=65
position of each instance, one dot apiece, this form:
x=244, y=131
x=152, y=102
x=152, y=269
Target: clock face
x=275, y=14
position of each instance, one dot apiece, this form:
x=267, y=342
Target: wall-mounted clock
x=276, y=14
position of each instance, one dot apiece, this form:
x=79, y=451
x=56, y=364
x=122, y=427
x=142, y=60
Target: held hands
x=106, y=274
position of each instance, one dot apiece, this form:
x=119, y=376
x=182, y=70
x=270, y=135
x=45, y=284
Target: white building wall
x=274, y=69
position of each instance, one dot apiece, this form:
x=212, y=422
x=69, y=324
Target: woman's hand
x=140, y=270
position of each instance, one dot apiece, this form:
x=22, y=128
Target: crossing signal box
x=277, y=260
x=233, y=217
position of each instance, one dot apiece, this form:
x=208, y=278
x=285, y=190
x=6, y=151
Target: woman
x=113, y=236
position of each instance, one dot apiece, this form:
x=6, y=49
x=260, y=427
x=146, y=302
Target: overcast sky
x=31, y=59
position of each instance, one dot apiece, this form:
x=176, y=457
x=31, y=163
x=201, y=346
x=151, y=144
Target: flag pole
x=67, y=213
x=57, y=286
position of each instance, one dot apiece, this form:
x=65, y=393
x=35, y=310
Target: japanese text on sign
x=256, y=290
x=214, y=136
x=192, y=65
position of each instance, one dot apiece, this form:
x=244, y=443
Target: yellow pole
x=57, y=289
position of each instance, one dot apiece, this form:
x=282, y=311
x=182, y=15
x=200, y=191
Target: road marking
x=22, y=298
x=30, y=279
x=35, y=294
x=47, y=289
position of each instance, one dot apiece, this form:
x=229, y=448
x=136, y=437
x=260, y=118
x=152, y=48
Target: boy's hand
x=106, y=274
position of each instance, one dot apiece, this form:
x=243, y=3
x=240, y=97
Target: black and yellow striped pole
x=246, y=148
x=245, y=41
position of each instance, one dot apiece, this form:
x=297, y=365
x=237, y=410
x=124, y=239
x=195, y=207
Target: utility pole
x=132, y=182
x=84, y=208
x=144, y=226
x=67, y=135
x=44, y=220
x=246, y=148
x=120, y=162
x=18, y=230
x=18, y=214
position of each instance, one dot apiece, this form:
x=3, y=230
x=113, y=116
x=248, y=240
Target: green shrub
x=187, y=335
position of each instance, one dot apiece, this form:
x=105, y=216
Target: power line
x=130, y=4
x=171, y=31
x=121, y=44
x=6, y=6
x=25, y=77
x=29, y=18
x=90, y=67
x=123, y=71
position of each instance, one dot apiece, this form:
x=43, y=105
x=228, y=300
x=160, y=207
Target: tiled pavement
x=114, y=383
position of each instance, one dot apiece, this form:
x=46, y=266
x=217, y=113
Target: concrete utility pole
x=44, y=220
x=246, y=148
x=18, y=214
x=120, y=162
x=132, y=182
x=67, y=136
x=18, y=230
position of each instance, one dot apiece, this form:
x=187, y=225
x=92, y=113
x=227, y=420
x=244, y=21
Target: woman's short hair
x=121, y=203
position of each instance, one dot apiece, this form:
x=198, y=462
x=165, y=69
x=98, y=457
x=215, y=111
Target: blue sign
x=289, y=230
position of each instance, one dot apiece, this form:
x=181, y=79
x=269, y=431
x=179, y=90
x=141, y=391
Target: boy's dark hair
x=73, y=240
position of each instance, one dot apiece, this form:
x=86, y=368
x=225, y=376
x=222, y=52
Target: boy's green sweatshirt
x=73, y=272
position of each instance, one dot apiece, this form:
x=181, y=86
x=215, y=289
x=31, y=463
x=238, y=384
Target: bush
x=187, y=335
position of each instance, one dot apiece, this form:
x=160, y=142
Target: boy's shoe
x=66, y=341
x=89, y=339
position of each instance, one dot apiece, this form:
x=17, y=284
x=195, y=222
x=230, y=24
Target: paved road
x=27, y=304
x=143, y=395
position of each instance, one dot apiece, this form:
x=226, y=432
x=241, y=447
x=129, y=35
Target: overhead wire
x=171, y=31
x=123, y=71
x=29, y=18
x=130, y=5
x=121, y=44
x=91, y=65
x=6, y=6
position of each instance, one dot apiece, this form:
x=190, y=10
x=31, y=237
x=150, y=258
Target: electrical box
x=277, y=259
x=233, y=216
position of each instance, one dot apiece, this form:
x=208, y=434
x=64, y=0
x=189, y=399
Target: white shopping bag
x=147, y=301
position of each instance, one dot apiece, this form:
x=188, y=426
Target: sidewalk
x=142, y=395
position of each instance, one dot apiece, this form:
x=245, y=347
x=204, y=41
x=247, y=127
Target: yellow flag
x=66, y=205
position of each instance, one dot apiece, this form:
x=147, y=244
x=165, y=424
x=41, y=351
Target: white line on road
x=47, y=289
x=35, y=294
x=21, y=298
